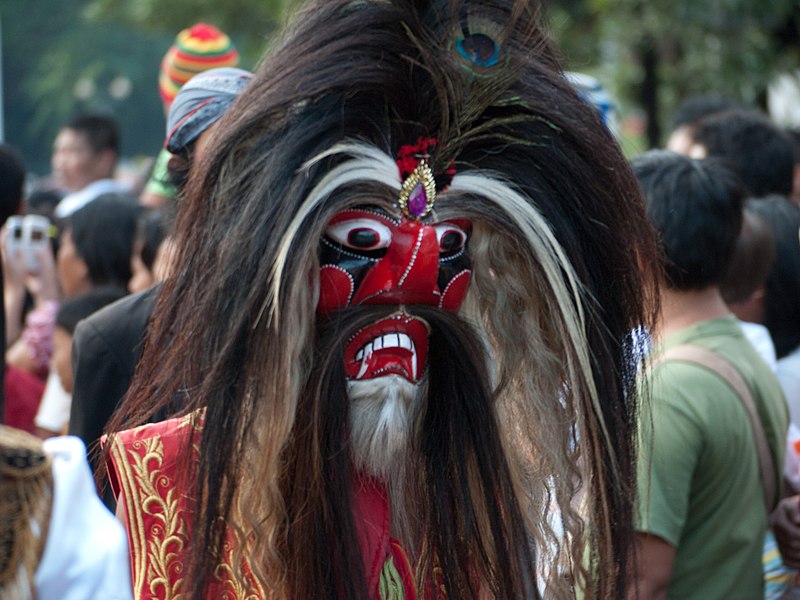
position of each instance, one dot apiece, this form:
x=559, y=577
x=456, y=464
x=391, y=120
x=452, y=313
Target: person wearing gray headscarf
x=200, y=103
x=107, y=345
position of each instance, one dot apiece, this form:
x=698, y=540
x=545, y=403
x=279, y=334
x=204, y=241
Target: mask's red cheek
x=455, y=291
x=336, y=288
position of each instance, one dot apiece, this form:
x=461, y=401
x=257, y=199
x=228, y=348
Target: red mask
x=369, y=257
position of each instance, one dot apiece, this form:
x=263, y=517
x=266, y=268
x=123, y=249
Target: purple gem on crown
x=417, y=201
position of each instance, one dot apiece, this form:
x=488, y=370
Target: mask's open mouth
x=395, y=345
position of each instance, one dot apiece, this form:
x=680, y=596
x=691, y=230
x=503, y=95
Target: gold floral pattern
x=156, y=515
x=145, y=463
x=156, y=527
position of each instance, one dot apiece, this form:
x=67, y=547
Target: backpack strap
x=715, y=363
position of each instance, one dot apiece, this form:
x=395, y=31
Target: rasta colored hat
x=201, y=102
x=196, y=49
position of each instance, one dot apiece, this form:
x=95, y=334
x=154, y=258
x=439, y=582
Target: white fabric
x=77, y=200
x=789, y=376
x=760, y=339
x=783, y=99
x=791, y=463
x=86, y=553
x=53, y=412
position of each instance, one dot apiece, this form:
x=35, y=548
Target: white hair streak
x=561, y=276
x=367, y=163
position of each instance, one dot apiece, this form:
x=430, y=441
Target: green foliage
x=50, y=54
x=55, y=54
x=729, y=47
x=69, y=62
x=248, y=22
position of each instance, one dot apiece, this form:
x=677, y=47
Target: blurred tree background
x=103, y=55
x=74, y=56
x=653, y=54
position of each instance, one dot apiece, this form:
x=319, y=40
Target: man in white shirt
x=84, y=157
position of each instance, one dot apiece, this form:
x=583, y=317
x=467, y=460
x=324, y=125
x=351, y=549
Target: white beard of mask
x=382, y=416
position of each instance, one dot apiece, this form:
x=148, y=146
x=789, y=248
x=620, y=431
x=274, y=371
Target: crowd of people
x=393, y=317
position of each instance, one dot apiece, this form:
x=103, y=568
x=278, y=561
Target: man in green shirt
x=702, y=514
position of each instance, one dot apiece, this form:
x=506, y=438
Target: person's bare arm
x=19, y=355
x=786, y=526
x=653, y=571
x=13, y=288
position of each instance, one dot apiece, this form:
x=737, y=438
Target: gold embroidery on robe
x=156, y=547
x=157, y=527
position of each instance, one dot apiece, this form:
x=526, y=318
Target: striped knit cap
x=197, y=49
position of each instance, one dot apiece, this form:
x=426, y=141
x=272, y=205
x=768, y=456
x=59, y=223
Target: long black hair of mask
x=470, y=522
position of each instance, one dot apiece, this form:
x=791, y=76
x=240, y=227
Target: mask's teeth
x=366, y=348
x=405, y=341
x=388, y=340
x=367, y=352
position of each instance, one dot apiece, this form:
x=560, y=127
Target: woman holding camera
x=95, y=250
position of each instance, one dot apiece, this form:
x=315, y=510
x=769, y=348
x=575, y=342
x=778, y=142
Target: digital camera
x=28, y=234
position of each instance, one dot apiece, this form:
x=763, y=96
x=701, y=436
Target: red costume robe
x=146, y=470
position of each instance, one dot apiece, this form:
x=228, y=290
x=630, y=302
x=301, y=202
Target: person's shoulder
x=721, y=337
x=677, y=373
x=130, y=305
x=691, y=389
x=127, y=315
x=789, y=366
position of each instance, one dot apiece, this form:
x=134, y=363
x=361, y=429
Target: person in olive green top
x=701, y=518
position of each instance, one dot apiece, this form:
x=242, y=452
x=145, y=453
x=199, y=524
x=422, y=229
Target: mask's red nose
x=408, y=273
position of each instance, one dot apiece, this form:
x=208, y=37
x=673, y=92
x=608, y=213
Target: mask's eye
x=451, y=238
x=360, y=234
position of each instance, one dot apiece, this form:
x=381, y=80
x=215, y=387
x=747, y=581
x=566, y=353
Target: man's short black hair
x=696, y=208
x=794, y=136
x=752, y=259
x=152, y=227
x=103, y=232
x=102, y=132
x=694, y=108
x=759, y=151
x=782, y=306
x=12, y=181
